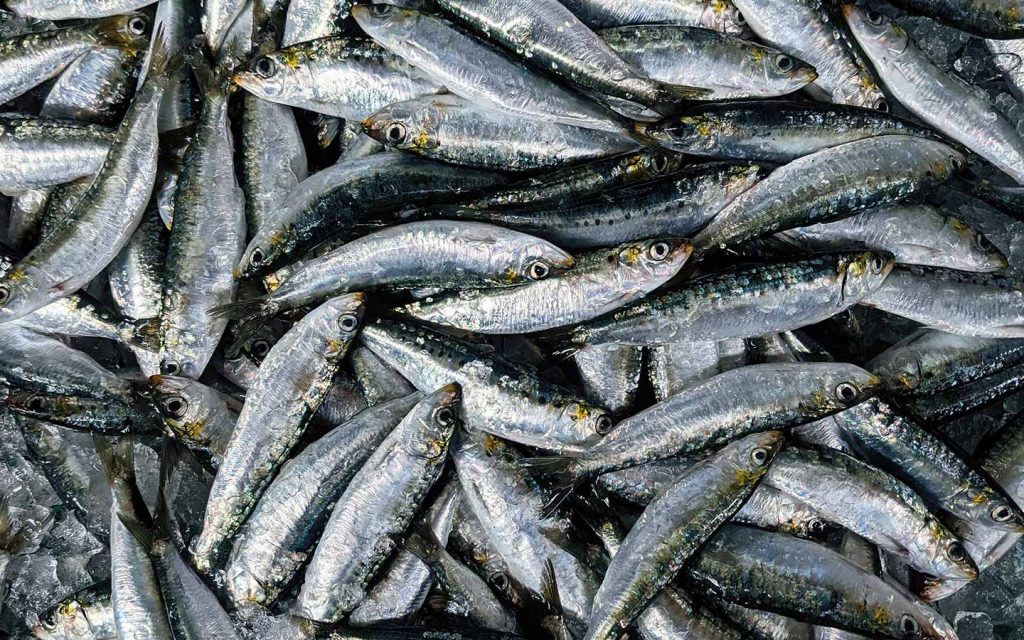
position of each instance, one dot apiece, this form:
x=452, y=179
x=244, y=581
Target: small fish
x=84, y=615
x=719, y=16
x=42, y=152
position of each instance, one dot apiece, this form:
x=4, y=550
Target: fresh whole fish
x=57, y=10
x=197, y=415
x=41, y=152
x=720, y=16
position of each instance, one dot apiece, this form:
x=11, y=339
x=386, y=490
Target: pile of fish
x=495, y=319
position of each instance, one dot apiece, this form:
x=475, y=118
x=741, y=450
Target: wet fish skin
x=601, y=282
x=675, y=366
x=832, y=183
x=674, y=526
x=728, y=66
x=941, y=474
x=807, y=32
x=291, y=384
x=914, y=234
x=772, y=570
x=41, y=152
x=86, y=9
x=728, y=406
x=1005, y=54
x=875, y=505
x=377, y=507
x=310, y=19
x=941, y=408
x=85, y=615
x=416, y=254
x=994, y=312
x=499, y=396
x=454, y=130
x=610, y=376
x=197, y=415
x=206, y=241
x=476, y=71
x=216, y=19
x=96, y=88
x=268, y=177
x=102, y=222
x=677, y=205
x=1001, y=20
x=378, y=381
x=943, y=101
x=351, y=78
x=345, y=193
x=732, y=304
x=600, y=14
x=777, y=131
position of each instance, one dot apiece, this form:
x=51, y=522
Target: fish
x=200, y=417
x=674, y=366
x=598, y=14
x=310, y=20
x=267, y=178
x=278, y=406
x=599, y=283
x=96, y=88
x=977, y=18
x=610, y=376
x=378, y=505
x=943, y=101
x=50, y=10
x=85, y=614
x=378, y=382
x=216, y=19
x=1006, y=55
x=42, y=152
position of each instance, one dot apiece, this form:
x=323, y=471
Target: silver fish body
x=600, y=14
x=268, y=177
x=673, y=367
x=311, y=19
x=95, y=88
x=41, y=152
x=610, y=375
x=57, y=10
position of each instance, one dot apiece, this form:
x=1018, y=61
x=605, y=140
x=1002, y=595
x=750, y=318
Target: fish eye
x=874, y=17
x=759, y=456
x=909, y=625
x=816, y=526
x=982, y=242
x=1002, y=513
x=170, y=368
x=137, y=25
x=36, y=404
x=381, y=9
x=257, y=257
x=740, y=19
x=174, y=406
x=396, y=131
x=499, y=580
x=882, y=105
x=956, y=552
x=846, y=392
x=265, y=67
x=5, y=294
x=659, y=251
x=659, y=164
x=444, y=416
x=49, y=620
x=603, y=426
x=876, y=265
x=348, y=322
x=260, y=348
x=784, y=63
x=539, y=270
x=956, y=163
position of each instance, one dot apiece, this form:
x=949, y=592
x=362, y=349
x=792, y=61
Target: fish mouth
x=807, y=75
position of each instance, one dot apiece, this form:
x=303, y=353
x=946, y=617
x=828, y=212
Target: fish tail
x=423, y=543
x=250, y=309
x=145, y=334
x=145, y=535
x=211, y=78
x=549, y=587
x=11, y=540
x=162, y=62
x=117, y=458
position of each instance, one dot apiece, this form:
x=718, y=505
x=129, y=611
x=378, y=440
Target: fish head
x=432, y=422
x=283, y=76
x=267, y=248
x=82, y=615
x=22, y=290
x=782, y=70
x=187, y=406
x=385, y=22
x=588, y=423
x=338, y=320
x=410, y=126
x=751, y=455
x=520, y=258
x=862, y=273
x=899, y=367
x=973, y=246
x=694, y=131
x=878, y=35
x=656, y=259
x=839, y=386
x=723, y=16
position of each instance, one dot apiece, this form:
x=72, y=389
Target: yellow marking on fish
x=705, y=129
x=906, y=380
x=957, y=224
x=745, y=477
x=17, y=274
x=579, y=411
x=940, y=168
x=291, y=59
x=631, y=254
x=880, y=617
x=1013, y=14
x=757, y=54
x=422, y=140
x=510, y=276
x=719, y=6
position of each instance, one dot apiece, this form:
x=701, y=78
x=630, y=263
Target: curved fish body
x=178, y=20
x=376, y=508
x=941, y=100
x=199, y=416
x=674, y=526
x=136, y=279
x=600, y=283
x=85, y=615
x=806, y=31
x=205, y=243
x=675, y=366
x=452, y=129
x=729, y=406
x=498, y=396
x=677, y=205
x=601, y=14
x=929, y=361
x=728, y=66
x=283, y=529
x=943, y=476
x=552, y=38
x=984, y=18
x=102, y=221
x=966, y=398
x=874, y=505
x=406, y=582
x=772, y=130
x=431, y=253
x=268, y=177
x=29, y=60
x=313, y=19
x=41, y=152
x=95, y=88
x=972, y=304
x=832, y=183
x=610, y=375
x=473, y=69
x=913, y=234
x=340, y=195
x=562, y=186
x=216, y=20
x=510, y=508
x=378, y=381
x=781, y=573
x=745, y=301
x=292, y=382
x=84, y=9
x=350, y=78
